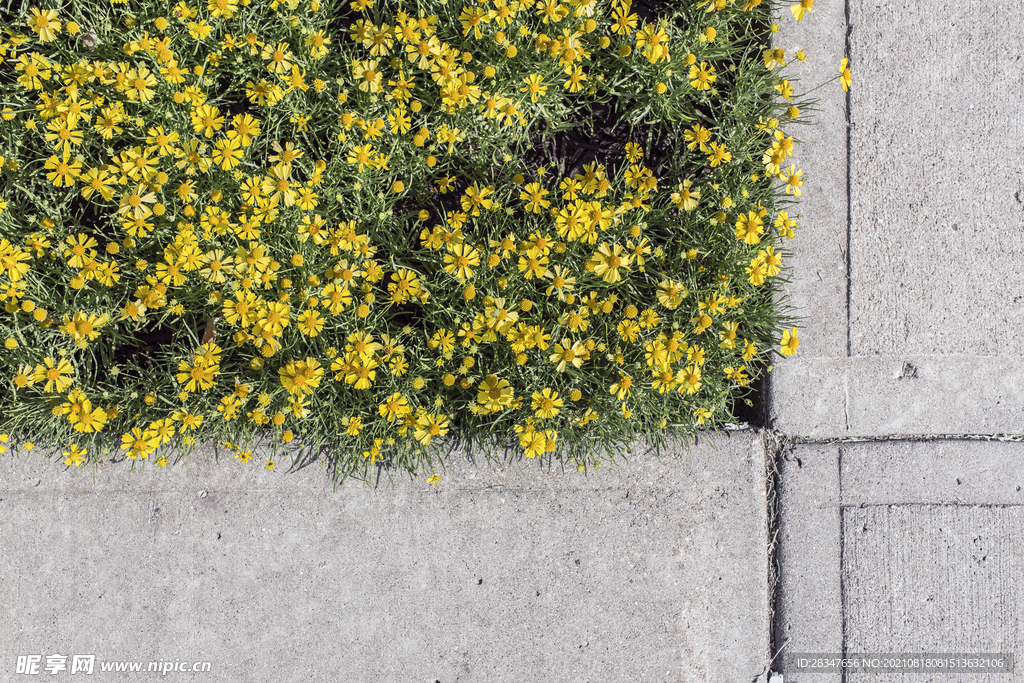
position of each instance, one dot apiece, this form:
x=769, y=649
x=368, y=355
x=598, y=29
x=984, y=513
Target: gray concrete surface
x=807, y=392
x=936, y=181
x=808, y=609
x=655, y=572
x=933, y=578
x=913, y=305
x=921, y=341
x=901, y=547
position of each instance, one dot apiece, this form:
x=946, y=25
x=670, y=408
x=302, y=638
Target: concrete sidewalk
x=895, y=536
x=655, y=572
x=906, y=261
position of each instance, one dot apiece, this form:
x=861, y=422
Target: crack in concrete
x=776, y=446
x=910, y=437
x=846, y=403
x=849, y=194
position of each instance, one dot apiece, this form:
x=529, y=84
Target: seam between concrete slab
x=849, y=203
x=776, y=445
x=857, y=506
x=842, y=558
x=910, y=437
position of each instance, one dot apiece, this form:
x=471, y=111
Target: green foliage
x=384, y=231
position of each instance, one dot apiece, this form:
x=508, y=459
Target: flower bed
x=383, y=228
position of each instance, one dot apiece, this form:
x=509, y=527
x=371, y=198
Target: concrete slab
x=918, y=326
x=808, y=609
x=821, y=398
x=655, y=572
x=901, y=547
x=817, y=259
x=936, y=236
x=935, y=472
x=933, y=579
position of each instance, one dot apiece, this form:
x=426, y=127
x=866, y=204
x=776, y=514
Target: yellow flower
x=772, y=261
x=718, y=154
x=429, y=426
x=608, y=261
x=139, y=444
x=361, y=155
x=279, y=58
x=671, y=294
x=301, y=377
x=749, y=349
x=88, y=420
x=367, y=75
x=701, y=77
x=140, y=84
x=206, y=119
x=793, y=180
x=459, y=259
x=689, y=380
x=163, y=429
x=789, y=342
x=353, y=424
x=845, y=78
x=801, y=8
x=534, y=86
x=135, y=202
x=310, y=323
x=533, y=443
x=621, y=388
x=62, y=173
x=546, y=403
x=45, y=23
x=58, y=377
x=98, y=180
x=685, y=198
x=12, y=260
x=566, y=352
x=228, y=153
x=188, y=420
x=749, y=228
x=83, y=327
x=576, y=78
x=242, y=310
x=757, y=271
x=223, y=8
x=245, y=128
x=395, y=407
x=75, y=455
x=199, y=376
x=494, y=393
x=655, y=44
